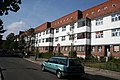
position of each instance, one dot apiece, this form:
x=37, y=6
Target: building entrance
x=107, y=50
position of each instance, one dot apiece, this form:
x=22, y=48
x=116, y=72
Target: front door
x=107, y=50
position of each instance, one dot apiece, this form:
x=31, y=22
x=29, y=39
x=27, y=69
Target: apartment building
x=44, y=37
x=105, y=28
x=26, y=39
x=93, y=31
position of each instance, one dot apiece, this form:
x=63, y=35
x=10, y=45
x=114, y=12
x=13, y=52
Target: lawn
x=111, y=65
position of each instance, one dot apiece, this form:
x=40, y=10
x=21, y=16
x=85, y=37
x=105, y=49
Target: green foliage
x=114, y=60
x=11, y=37
x=49, y=54
x=46, y=55
x=72, y=54
x=113, y=64
x=1, y=29
x=9, y=5
x=91, y=59
x=9, y=43
x=6, y=45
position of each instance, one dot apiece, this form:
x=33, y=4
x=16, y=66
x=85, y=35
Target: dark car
x=63, y=66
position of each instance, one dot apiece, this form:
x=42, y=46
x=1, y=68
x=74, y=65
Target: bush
x=91, y=59
x=114, y=60
x=46, y=55
x=72, y=54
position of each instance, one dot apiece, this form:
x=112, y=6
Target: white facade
x=107, y=28
x=95, y=31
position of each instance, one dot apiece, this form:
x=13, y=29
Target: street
x=21, y=69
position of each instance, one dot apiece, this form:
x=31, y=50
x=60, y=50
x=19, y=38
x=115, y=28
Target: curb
x=107, y=73
x=0, y=74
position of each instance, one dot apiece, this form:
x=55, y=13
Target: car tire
x=43, y=68
x=59, y=74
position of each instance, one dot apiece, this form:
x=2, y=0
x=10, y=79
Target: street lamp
x=71, y=35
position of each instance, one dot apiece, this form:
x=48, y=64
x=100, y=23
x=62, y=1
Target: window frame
x=115, y=48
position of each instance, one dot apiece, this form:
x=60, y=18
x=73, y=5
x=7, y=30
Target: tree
x=9, y=43
x=5, y=6
x=11, y=37
x=1, y=29
x=9, y=5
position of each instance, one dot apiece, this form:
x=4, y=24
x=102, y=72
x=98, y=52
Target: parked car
x=63, y=66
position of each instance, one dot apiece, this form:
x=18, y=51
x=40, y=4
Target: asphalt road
x=20, y=69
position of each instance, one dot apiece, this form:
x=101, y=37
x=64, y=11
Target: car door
x=54, y=65
x=48, y=64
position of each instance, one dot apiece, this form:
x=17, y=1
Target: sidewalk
x=88, y=70
x=102, y=72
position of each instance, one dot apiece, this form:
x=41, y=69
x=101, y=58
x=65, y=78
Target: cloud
x=15, y=27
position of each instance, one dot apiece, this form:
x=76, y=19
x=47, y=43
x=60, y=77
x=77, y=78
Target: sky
x=33, y=13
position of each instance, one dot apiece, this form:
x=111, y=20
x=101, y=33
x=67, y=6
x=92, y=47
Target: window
x=49, y=39
x=86, y=15
x=99, y=10
x=99, y=48
x=80, y=35
x=64, y=28
x=56, y=39
x=116, y=48
x=71, y=37
x=93, y=48
x=81, y=24
x=105, y=8
x=51, y=30
x=92, y=12
x=116, y=32
x=63, y=38
x=39, y=40
x=39, y=34
x=43, y=32
x=113, y=5
x=71, y=28
x=115, y=17
x=57, y=30
x=81, y=48
x=99, y=34
x=99, y=21
x=42, y=40
x=47, y=31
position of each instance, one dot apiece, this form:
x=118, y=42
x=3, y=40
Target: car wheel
x=59, y=74
x=43, y=68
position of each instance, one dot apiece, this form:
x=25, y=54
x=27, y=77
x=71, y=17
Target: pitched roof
x=102, y=9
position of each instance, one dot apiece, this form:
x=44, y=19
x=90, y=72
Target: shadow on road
x=89, y=77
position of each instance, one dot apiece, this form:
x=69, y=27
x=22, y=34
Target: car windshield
x=74, y=62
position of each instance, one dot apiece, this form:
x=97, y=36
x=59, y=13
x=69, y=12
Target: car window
x=62, y=61
x=52, y=60
x=74, y=62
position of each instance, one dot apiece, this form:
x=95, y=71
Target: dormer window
x=67, y=18
x=99, y=10
x=105, y=8
x=92, y=12
x=86, y=15
x=55, y=23
x=113, y=5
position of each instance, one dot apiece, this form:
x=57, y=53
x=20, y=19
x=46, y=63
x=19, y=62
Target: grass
x=104, y=65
